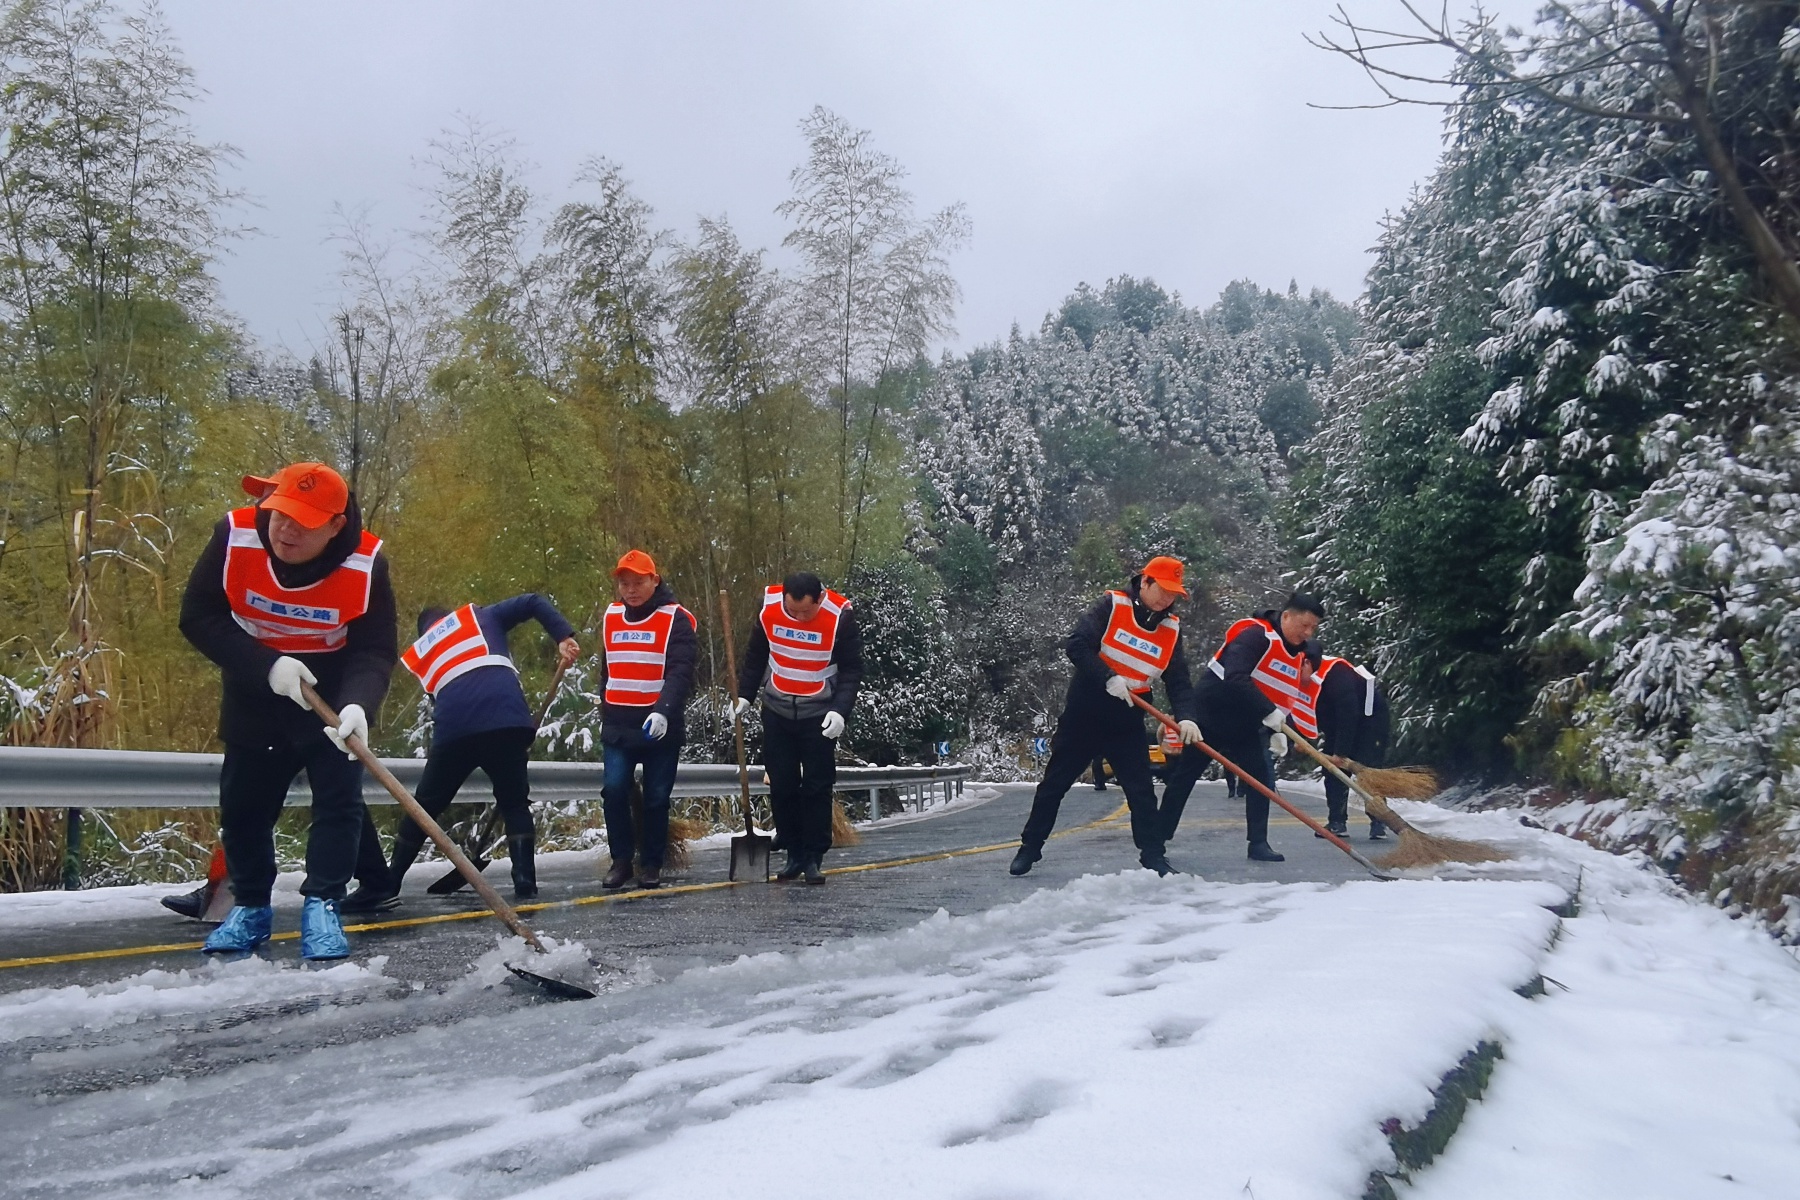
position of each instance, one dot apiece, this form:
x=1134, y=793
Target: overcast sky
x=1165, y=139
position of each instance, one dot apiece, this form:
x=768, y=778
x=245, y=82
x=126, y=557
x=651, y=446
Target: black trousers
x=1078, y=740
x=253, y=787
x=1249, y=750
x=1178, y=785
x=502, y=753
x=802, y=766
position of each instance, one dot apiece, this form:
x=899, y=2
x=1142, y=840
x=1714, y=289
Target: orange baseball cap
x=638, y=563
x=311, y=493
x=1168, y=572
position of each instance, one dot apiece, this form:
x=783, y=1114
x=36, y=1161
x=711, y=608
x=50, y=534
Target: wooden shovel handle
x=737, y=722
x=445, y=846
x=1258, y=784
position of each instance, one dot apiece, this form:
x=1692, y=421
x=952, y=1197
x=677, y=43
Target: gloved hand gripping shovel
x=749, y=849
x=483, y=837
x=1252, y=781
x=574, y=983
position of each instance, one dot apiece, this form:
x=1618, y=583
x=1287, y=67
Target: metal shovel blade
x=453, y=881
x=562, y=989
x=750, y=857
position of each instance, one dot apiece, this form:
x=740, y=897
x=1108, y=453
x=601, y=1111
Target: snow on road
x=1122, y=1033
x=1124, y=1029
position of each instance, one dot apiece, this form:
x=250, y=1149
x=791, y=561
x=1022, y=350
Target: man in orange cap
x=1120, y=647
x=648, y=646
x=292, y=590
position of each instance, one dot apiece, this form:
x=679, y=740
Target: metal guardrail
x=33, y=777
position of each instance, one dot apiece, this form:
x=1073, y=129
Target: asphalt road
x=651, y=935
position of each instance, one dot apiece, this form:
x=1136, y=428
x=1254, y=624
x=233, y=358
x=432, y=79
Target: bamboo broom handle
x=1377, y=806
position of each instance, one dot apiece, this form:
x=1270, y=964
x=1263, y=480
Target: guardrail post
x=71, y=864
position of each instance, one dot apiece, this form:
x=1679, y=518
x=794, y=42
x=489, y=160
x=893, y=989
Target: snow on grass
x=1121, y=1033
x=1664, y=1061
x=211, y=987
x=49, y=909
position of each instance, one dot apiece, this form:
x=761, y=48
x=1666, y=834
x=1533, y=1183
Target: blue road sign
x=943, y=749
x=1040, y=746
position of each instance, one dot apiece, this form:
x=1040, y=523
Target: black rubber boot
x=815, y=870
x=190, y=904
x=793, y=868
x=1022, y=861
x=521, y=851
x=407, y=849
x=1263, y=852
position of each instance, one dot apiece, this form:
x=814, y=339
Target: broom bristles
x=1398, y=783
x=1418, y=849
x=843, y=833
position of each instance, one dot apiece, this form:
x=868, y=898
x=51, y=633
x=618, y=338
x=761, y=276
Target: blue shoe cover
x=243, y=930
x=321, y=933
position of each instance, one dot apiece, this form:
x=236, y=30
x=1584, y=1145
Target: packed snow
x=1122, y=1032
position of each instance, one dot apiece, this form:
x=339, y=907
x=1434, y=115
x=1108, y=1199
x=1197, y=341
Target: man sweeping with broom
x=805, y=662
x=1125, y=642
x=1353, y=724
x=479, y=718
x=648, y=645
x=1253, y=686
x=292, y=590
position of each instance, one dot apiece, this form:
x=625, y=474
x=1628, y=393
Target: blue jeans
x=623, y=836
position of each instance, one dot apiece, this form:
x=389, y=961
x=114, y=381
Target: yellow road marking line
x=476, y=914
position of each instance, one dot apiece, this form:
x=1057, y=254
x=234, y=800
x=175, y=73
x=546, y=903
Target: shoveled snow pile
x=1123, y=1031
x=212, y=987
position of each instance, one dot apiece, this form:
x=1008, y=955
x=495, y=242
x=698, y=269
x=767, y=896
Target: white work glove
x=1190, y=733
x=1118, y=688
x=1278, y=746
x=1276, y=720
x=739, y=707
x=352, y=722
x=833, y=725
x=286, y=676
x=655, y=725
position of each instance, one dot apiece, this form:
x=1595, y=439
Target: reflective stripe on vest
x=1171, y=740
x=451, y=649
x=1135, y=654
x=1368, y=677
x=1279, y=675
x=637, y=652
x=800, y=651
x=307, y=620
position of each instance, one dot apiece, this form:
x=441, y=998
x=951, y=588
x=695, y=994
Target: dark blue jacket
x=490, y=697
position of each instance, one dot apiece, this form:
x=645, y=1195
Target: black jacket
x=491, y=697
x=840, y=693
x=623, y=724
x=1087, y=690
x=1234, y=704
x=357, y=673
x=1344, y=727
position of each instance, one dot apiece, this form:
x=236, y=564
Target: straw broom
x=1416, y=849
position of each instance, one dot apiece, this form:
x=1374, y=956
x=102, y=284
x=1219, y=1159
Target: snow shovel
x=749, y=849
x=1271, y=793
x=1416, y=849
x=488, y=825
x=561, y=986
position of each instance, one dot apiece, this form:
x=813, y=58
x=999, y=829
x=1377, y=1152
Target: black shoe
x=1340, y=828
x=650, y=877
x=1022, y=861
x=1377, y=833
x=1099, y=787
x=617, y=877
x=1157, y=862
x=793, y=868
x=521, y=852
x=366, y=899
x=815, y=871
x=1263, y=852
x=190, y=904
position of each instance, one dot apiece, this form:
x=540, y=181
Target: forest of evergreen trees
x=1542, y=471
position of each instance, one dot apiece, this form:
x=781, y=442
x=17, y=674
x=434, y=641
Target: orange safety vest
x=1368, y=676
x=1280, y=676
x=308, y=620
x=800, y=651
x=637, y=652
x=1137, y=655
x=451, y=648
